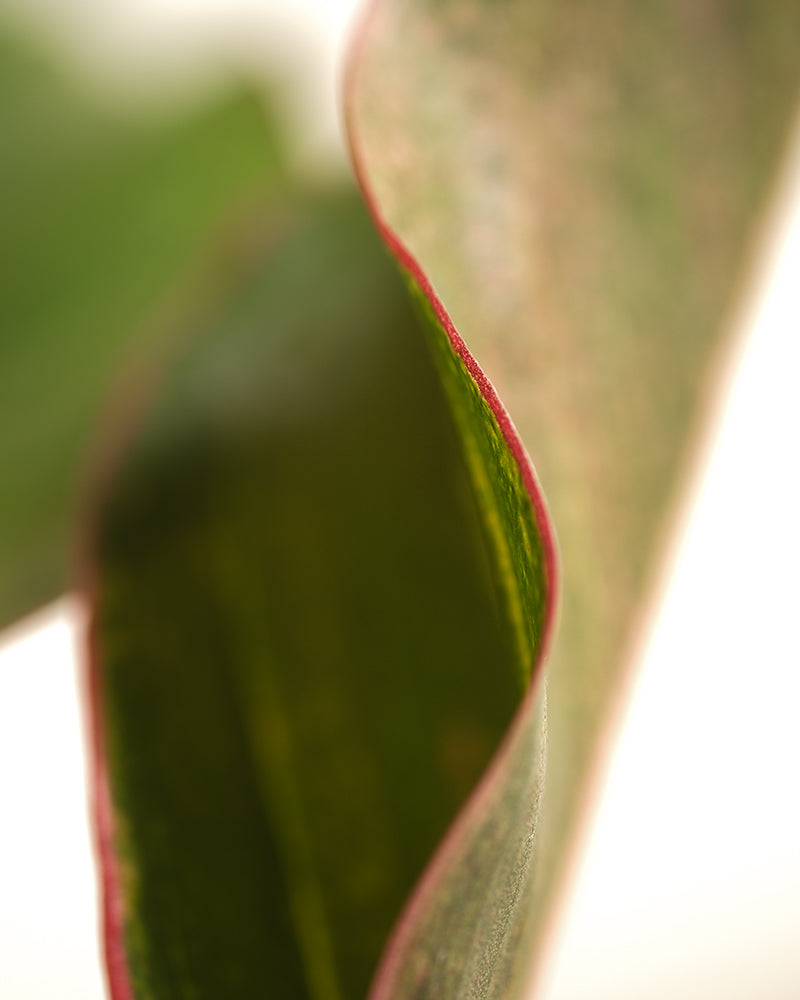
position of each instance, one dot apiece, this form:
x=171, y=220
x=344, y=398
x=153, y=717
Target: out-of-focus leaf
x=100, y=211
x=304, y=651
x=581, y=183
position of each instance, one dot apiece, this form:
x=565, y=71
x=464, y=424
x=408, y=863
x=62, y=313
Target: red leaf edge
x=475, y=805
x=111, y=896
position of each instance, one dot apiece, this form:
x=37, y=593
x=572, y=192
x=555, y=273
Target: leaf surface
x=102, y=210
x=581, y=185
x=305, y=647
x=321, y=576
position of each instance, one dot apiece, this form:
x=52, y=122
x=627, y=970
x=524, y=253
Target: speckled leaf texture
x=582, y=185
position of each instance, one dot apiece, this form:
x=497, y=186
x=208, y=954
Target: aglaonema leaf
x=103, y=208
x=312, y=637
x=581, y=184
x=316, y=601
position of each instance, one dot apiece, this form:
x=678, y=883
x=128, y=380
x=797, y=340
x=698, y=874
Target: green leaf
x=320, y=577
x=581, y=183
x=102, y=209
x=305, y=646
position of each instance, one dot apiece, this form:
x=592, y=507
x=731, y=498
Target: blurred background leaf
x=103, y=208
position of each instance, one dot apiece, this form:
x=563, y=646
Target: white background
x=690, y=884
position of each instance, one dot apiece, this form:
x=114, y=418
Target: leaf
x=262, y=632
x=102, y=210
x=304, y=646
x=581, y=184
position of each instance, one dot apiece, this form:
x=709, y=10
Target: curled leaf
x=320, y=570
x=581, y=185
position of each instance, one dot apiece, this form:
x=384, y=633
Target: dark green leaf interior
x=305, y=655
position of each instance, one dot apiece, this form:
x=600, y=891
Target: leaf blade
x=274, y=522
x=580, y=184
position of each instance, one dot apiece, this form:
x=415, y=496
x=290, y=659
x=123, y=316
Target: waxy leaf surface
x=581, y=185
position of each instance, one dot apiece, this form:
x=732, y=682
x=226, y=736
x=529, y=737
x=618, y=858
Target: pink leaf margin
x=112, y=905
x=446, y=852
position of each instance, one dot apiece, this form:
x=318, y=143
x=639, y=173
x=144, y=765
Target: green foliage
x=101, y=214
x=319, y=572
x=304, y=669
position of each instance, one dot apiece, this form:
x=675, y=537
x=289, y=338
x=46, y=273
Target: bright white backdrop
x=690, y=884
